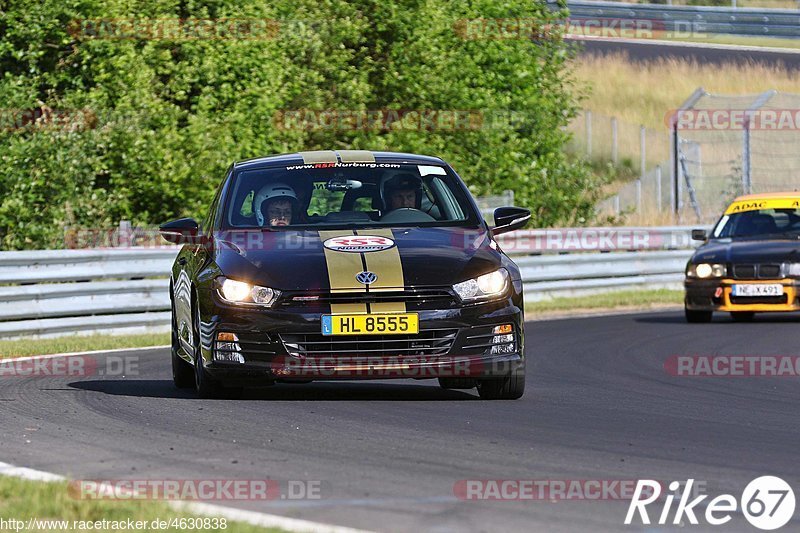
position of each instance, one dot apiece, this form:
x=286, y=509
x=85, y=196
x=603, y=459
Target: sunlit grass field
x=78, y=343
x=643, y=93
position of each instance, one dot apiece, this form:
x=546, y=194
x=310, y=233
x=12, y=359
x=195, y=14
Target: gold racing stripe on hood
x=385, y=263
x=389, y=268
x=319, y=156
x=342, y=270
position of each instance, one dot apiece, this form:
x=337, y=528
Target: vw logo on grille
x=366, y=277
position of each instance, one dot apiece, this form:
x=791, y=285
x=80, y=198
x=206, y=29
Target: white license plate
x=752, y=289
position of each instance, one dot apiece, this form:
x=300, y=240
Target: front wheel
x=697, y=317
x=508, y=388
x=205, y=386
x=182, y=372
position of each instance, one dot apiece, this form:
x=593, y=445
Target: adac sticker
x=766, y=203
x=358, y=243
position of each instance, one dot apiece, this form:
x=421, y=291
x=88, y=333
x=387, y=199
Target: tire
x=457, y=383
x=182, y=372
x=204, y=384
x=508, y=388
x=697, y=317
x=742, y=316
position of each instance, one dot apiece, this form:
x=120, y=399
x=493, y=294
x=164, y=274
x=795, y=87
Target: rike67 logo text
x=767, y=502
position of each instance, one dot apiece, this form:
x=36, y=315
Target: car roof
x=336, y=156
x=767, y=195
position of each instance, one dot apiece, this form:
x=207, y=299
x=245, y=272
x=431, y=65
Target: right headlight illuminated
x=486, y=287
x=706, y=270
x=243, y=293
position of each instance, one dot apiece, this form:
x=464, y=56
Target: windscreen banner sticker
x=764, y=203
x=358, y=243
x=425, y=170
x=311, y=166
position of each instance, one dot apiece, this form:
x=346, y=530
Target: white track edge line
x=251, y=517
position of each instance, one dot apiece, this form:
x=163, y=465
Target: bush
x=143, y=129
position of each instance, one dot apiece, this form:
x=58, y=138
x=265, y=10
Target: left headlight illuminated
x=706, y=270
x=486, y=287
x=240, y=292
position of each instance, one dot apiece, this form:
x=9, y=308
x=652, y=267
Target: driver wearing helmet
x=404, y=190
x=275, y=204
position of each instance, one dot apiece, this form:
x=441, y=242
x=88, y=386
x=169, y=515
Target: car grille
x=757, y=271
x=426, y=342
x=759, y=299
x=415, y=299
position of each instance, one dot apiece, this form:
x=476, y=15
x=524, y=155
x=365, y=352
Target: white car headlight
x=244, y=293
x=486, y=287
x=706, y=270
x=793, y=270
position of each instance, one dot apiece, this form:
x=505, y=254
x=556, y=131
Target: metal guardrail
x=60, y=292
x=695, y=19
x=548, y=276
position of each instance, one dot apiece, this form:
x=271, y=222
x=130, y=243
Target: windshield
x=759, y=224
x=347, y=195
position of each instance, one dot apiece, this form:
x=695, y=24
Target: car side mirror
x=181, y=231
x=699, y=235
x=509, y=219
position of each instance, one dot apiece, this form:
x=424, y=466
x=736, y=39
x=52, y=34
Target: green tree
x=154, y=123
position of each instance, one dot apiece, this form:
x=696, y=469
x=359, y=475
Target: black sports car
x=345, y=265
x=749, y=263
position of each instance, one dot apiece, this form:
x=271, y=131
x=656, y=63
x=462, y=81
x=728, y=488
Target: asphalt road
x=599, y=407
x=643, y=51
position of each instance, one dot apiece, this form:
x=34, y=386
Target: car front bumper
x=284, y=345
x=716, y=295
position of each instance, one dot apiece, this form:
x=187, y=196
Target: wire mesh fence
x=643, y=151
x=717, y=147
x=732, y=145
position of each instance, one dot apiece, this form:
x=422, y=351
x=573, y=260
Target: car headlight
x=706, y=270
x=793, y=270
x=243, y=293
x=486, y=287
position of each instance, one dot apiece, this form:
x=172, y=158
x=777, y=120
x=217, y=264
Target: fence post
x=746, y=183
x=642, y=149
x=124, y=233
x=588, y=119
x=616, y=205
x=614, y=141
x=658, y=188
x=639, y=195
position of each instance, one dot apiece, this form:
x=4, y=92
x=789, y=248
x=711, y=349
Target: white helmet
x=270, y=192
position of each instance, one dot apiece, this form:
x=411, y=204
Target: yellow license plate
x=388, y=324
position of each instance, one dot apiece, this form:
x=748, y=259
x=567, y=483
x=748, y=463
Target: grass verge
x=646, y=299
x=76, y=343
x=21, y=500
